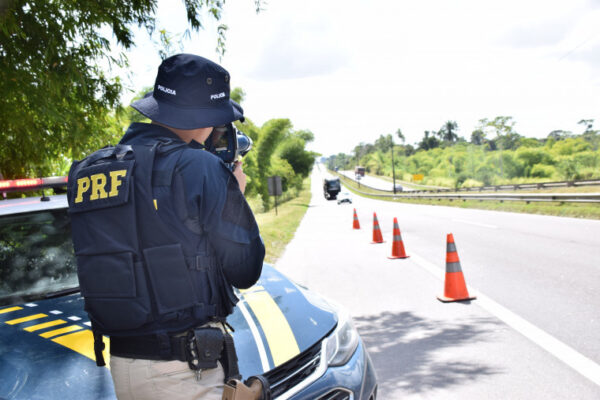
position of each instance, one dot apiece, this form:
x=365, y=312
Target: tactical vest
x=140, y=272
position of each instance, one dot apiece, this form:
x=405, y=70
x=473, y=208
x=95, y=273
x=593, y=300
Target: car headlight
x=342, y=343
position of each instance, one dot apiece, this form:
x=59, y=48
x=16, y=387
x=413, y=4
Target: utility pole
x=393, y=167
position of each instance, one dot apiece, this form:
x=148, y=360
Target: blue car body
x=281, y=330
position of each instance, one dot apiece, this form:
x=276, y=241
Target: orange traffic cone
x=455, y=288
x=355, y=223
x=377, y=237
x=397, y=245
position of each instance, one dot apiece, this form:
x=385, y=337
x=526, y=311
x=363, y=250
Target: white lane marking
x=30, y=305
x=475, y=223
x=577, y=361
x=257, y=339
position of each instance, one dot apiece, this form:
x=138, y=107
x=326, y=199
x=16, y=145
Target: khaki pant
x=137, y=379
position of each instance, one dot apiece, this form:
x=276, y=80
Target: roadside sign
x=274, y=184
x=418, y=177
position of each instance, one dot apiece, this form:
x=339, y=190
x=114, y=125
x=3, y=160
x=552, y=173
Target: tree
x=58, y=102
x=238, y=95
x=400, y=135
x=447, y=132
x=271, y=134
x=305, y=135
x=506, y=137
x=478, y=137
x=587, y=123
x=293, y=151
x=383, y=143
x=429, y=142
x=559, y=134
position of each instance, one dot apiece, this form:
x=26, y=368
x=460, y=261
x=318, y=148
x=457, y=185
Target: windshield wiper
x=60, y=293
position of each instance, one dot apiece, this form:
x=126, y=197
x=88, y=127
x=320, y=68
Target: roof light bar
x=22, y=185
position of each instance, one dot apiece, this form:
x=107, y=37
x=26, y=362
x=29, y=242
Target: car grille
x=294, y=371
x=337, y=394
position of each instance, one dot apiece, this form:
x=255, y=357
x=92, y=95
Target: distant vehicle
x=359, y=171
x=399, y=188
x=344, y=197
x=331, y=187
x=337, y=169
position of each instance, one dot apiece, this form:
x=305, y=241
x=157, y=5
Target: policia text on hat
x=162, y=232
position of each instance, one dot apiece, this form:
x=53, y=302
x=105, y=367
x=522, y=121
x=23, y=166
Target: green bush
x=543, y=171
x=472, y=183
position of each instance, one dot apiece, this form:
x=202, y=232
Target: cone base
x=396, y=257
x=383, y=241
x=445, y=299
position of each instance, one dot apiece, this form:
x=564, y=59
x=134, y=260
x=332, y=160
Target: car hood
x=46, y=346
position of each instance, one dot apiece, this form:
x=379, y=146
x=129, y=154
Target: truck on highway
x=331, y=188
x=359, y=171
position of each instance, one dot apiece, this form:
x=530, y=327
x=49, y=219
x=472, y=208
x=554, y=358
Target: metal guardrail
x=526, y=197
x=518, y=186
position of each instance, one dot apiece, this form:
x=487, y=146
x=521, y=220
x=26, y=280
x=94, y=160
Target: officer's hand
x=238, y=172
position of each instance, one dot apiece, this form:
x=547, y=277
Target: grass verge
x=278, y=230
x=577, y=210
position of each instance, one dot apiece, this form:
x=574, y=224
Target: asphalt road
x=531, y=333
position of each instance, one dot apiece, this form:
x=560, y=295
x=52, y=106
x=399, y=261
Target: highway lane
x=543, y=269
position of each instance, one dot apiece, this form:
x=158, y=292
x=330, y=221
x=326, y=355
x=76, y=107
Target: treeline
x=494, y=154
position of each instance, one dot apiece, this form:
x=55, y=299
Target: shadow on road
x=403, y=348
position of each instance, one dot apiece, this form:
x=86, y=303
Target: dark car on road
x=344, y=197
x=304, y=345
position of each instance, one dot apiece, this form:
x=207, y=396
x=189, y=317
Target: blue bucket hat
x=190, y=92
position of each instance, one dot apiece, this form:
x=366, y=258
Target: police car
x=305, y=346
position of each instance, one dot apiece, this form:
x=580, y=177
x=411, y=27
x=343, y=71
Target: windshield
x=36, y=255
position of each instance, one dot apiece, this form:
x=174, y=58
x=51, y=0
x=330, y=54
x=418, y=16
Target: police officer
x=196, y=238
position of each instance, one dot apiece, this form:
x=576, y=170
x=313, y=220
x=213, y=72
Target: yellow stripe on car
x=60, y=331
x=25, y=319
x=10, y=309
x=277, y=330
x=45, y=325
x=83, y=343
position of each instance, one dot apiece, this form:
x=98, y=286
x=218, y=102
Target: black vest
x=137, y=273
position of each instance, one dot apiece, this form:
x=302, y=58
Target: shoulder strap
x=118, y=152
x=98, y=347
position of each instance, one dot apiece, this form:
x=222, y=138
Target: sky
x=352, y=70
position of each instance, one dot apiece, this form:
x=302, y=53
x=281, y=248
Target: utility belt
x=201, y=348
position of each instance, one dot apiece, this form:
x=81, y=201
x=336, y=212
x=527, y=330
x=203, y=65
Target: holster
x=255, y=388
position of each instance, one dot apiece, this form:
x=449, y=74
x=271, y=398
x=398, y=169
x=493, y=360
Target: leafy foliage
x=58, y=102
x=278, y=150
